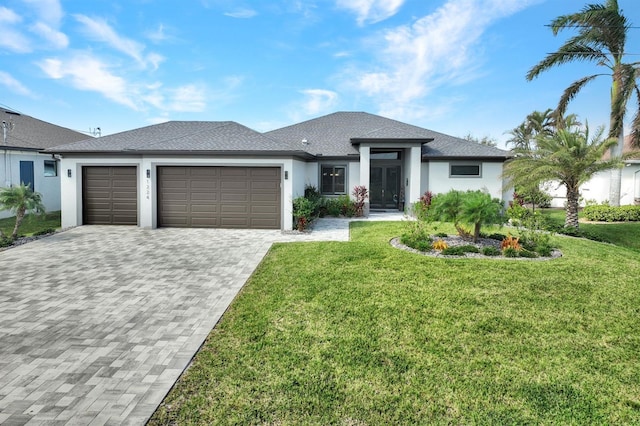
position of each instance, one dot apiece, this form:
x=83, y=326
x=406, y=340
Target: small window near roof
x=465, y=170
x=50, y=168
x=333, y=179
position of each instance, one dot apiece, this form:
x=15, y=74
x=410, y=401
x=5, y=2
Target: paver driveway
x=97, y=323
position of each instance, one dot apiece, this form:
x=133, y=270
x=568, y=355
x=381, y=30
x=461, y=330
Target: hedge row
x=604, y=213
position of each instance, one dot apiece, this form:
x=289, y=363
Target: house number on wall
x=148, y=189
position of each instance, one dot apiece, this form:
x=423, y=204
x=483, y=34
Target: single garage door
x=109, y=196
x=219, y=197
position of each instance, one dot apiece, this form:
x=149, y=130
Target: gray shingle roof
x=31, y=133
x=225, y=136
x=333, y=134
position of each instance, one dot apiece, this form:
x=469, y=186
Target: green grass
x=624, y=234
x=361, y=333
x=32, y=223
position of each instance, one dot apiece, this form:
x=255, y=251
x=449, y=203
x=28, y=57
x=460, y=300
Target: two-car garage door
x=219, y=197
x=199, y=197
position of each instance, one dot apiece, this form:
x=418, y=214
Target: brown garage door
x=109, y=196
x=219, y=197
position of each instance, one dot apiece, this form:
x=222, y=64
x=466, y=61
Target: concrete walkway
x=98, y=322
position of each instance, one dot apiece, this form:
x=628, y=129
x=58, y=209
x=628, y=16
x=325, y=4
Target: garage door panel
x=228, y=185
x=219, y=197
x=234, y=197
x=204, y=196
x=110, y=195
x=203, y=208
x=234, y=172
x=205, y=172
x=198, y=222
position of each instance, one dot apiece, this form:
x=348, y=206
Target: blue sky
x=454, y=66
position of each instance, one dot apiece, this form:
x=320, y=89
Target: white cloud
x=9, y=16
x=14, y=85
x=55, y=38
x=158, y=35
x=371, y=11
x=50, y=11
x=189, y=98
x=99, y=30
x=242, y=13
x=85, y=72
x=437, y=49
x=10, y=37
x=318, y=101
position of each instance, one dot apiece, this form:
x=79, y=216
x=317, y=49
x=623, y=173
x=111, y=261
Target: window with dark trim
x=50, y=168
x=333, y=179
x=465, y=170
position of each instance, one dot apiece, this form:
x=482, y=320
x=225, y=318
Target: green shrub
x=45, y=231
x=302, y=213
x=544, y=250
x=491, y=251
x=495, y=236
x=460, y=250
x=605, y=213
x=417, y=236
x=347, y=206
x=510, y=252
x=5, y=241
x=527, y=253
x=442, y=235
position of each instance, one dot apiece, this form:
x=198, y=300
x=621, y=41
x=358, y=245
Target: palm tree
x=20, y=200
x=523, y=137
x=602, y=33
x=568, y=157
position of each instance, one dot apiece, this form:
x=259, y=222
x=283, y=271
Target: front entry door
x=385, y=187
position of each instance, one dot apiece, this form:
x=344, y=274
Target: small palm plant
x=20, y=200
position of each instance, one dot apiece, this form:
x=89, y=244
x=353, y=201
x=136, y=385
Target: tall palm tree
x=567, y=156
x=601, y=39
x=536, y=124
x=20, y=200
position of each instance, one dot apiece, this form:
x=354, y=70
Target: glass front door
x=385, y=187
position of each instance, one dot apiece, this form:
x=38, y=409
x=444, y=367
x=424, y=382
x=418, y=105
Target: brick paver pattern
x=98, y=322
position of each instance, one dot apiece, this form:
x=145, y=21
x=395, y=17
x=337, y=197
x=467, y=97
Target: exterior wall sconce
x=68, y=172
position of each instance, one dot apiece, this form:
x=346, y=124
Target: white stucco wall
x=439, y=181
x=71, y=187
x=597, y=188
x=47, y=186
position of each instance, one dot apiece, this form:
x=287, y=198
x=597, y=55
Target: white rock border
x=395, y=242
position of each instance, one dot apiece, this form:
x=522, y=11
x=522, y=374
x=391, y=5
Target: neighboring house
x=597, y=188
x=22, y=139
x=223, y=174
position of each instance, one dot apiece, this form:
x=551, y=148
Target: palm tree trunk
x=571, y=220
x=19, y=217
x=615, y=183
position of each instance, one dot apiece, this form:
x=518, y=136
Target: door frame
x=385, y=164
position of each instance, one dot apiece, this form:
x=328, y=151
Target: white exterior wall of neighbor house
x=439, y=180
x=47, y=186
x=597, y=188
x=71, y=187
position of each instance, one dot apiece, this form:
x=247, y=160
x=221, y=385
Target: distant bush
x=604, y=213
x=491, y=251
x=460, y=250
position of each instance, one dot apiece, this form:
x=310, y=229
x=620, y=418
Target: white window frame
x=55, y=168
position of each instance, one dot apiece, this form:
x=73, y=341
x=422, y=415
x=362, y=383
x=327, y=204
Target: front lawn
x=362, y=333
x=626, y=234
x=32, y=223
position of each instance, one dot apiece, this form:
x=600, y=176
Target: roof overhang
x=390, y=141
x=184, y=153
x=465, y=158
